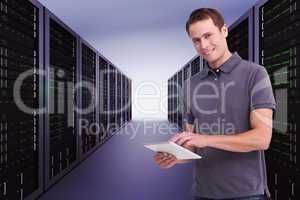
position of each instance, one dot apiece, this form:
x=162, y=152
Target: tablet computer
x=172, y=148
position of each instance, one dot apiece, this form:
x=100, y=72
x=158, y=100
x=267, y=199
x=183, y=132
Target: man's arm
x=258, y=138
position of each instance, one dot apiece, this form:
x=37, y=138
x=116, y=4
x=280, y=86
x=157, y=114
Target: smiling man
x=230, y=91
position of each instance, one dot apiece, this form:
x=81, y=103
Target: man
x=229, y=107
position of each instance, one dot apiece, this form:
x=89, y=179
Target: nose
x=204, y=44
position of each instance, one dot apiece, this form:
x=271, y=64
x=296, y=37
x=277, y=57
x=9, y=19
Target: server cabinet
x=103, y=98
x=186, y=77
x=175, y=99
x=196, y=65
x=277, y=47
x=121, y=100
x=61, y=62
x=130, y=99
x=124, y=104
x=87, y=101
x=186, y=72
x=172, y=100
x=169, y=100
x=241, y=38
x=21, y=103
x=112, y=99
x=180, y=108
x=118, y=99
x=124, y=93
x=282, y=182
x=278, y=27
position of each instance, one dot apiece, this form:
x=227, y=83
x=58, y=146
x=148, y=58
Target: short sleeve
x=261, y=93
x=188, y=116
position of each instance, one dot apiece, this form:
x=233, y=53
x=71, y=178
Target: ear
x=225, y=30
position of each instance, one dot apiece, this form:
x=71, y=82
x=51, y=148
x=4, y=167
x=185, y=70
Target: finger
x=166, y=154
x=181, y=135
x=160, y=157
x=168, y=163
x=160, y=154
x=190, y=143
x=183, y=140
x=157, y=156
x=162, y=161
x=174, y=138
x=177, y=136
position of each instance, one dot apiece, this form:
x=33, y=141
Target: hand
x=165, y=160
x=190, y=140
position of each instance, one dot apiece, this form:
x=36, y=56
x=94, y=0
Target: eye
x=206, y=36
x=196, y=41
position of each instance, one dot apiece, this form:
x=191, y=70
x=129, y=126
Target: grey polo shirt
x=220, y=102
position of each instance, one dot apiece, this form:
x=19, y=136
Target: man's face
x=208, y=39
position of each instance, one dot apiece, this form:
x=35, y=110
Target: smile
x=206, y=53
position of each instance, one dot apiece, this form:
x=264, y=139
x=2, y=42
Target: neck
x=216, y=64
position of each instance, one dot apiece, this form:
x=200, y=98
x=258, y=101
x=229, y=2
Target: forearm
x=251, y=140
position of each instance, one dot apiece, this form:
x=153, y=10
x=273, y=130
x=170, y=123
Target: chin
x=210, y=59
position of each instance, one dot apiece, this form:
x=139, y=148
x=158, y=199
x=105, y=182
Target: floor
x=123, y=168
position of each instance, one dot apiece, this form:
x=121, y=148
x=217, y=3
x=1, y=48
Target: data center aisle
x=123, y=169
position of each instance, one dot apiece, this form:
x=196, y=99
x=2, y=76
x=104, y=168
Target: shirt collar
x=226, y=67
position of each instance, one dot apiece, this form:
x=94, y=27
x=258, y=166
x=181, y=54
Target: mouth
x=206, y=53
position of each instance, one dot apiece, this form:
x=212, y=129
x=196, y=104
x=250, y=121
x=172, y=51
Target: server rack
x=186, y=72
x=175, y=99
x=126, y=102
x=61, y=62
x=175, y=84
x=21, y=55
x=196, y=65
x=112, y=99
x=121, y=100
x=180, y=108
x=118, y=99
x=88, y=60
x=38, y=148
x=169, y=100
x=186, y=76
x=277, y=49
x=103, y=98
x=241, y=36
x=124, y=93
x=130, y=99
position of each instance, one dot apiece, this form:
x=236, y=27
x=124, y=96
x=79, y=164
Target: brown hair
x=205, y=13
